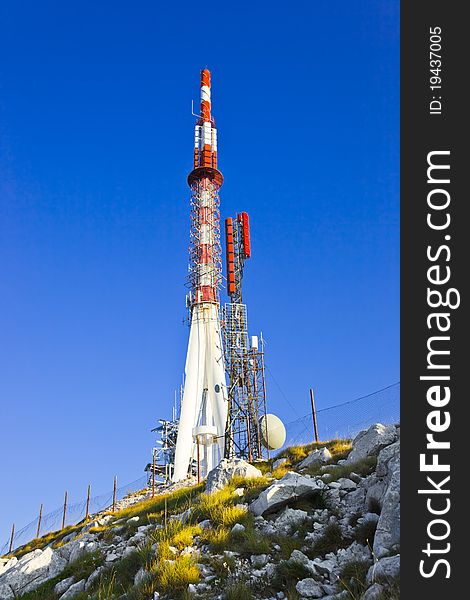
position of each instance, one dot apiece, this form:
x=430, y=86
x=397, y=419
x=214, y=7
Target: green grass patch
x=352, y=579
x=331, y=540
x=288, y=573
x=238, y=590
x=175, y=575
x=54, y=537
x=365, y=533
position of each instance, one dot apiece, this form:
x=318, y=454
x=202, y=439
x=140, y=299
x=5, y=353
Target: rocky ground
x=320, y=522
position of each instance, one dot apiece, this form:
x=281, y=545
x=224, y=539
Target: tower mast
x=204, y=404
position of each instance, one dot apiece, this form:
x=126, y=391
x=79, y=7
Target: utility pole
x=87, y=504
x=314, y=415
x=11, y=538
x=65, y=509
x=114, y=493
x=39, y=521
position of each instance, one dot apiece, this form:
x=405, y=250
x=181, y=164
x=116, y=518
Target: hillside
x=319, y=521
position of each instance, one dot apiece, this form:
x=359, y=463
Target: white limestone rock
x=30, y=571
x=73, y=590
x=289, y=519
x=299, y=557
x=371, y=441
x=259, y=560
x=386, y=569
x=285, y=490
x=63, y=585
x=347, y=484
x=226, y=470
x=354, y=553
x=309, y=588
x=320, y=456
x=141, y=576
x=93, y=576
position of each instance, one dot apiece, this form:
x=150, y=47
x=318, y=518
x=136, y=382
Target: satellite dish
x=273, y=432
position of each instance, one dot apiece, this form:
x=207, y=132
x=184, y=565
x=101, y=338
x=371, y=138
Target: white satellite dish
x=273, y=432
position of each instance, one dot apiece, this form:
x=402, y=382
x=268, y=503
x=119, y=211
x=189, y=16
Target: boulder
x=259, y=560
x=354, y=553
x=74, y=590
x=7, y=563
x=141, y=576
x=226, y=470
x=289, y=519
x=111, y=557
x=93, y=577
x=355, y=502
x=63, y=585
x=238, y=528
x=309, y=588
x=387, y=534
x=371, y=441
x=327, y=567
x=299, y=557
x=291, y=487
x=78, y=547
x=320, y=456
x=30, y=571
x=386, y=569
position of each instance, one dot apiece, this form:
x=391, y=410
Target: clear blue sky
x=96, y=138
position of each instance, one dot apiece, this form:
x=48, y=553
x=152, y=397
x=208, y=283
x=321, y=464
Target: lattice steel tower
x=244, y=357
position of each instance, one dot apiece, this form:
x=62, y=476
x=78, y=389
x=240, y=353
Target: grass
x=223, y=567
x=331, y=540
x=352, y=579
x=288, y=544
x=54, y=537
x=155, y=508
x=339, y=449
x=365, y=533
x=218, y=539
x=106, y=587
x=238, y=590
x=288, y=573
x=175, y=575
x=391, y=592
x=374, y=506
x=250, y=542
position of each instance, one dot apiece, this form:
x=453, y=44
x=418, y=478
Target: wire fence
x=343, y=420
x=75, y=513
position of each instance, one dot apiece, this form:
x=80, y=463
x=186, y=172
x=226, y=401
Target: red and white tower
x=203, y=416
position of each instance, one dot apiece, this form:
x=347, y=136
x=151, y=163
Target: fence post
x=87, y=504
x=65, y=509
x=114, y=493
x=314, y=415
x=39, y=521
x=11, y=538
x=153, y=474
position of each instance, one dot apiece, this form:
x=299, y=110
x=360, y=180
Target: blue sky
x=95, y=146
